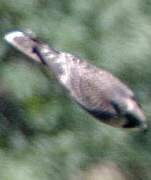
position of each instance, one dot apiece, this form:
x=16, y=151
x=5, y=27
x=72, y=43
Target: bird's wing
x=88, y=88
x=97, y=91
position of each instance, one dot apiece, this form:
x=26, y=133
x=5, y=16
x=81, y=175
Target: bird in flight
x=97, y=91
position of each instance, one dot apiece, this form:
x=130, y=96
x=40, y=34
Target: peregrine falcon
x=97, y=91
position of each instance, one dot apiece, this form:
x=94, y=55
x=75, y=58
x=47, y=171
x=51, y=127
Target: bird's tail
x=28, y=44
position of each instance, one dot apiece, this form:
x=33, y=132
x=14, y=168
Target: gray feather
x=94, y=89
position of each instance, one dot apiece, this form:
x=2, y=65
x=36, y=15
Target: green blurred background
x=43, y=133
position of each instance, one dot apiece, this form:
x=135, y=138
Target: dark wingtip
x=37, y=52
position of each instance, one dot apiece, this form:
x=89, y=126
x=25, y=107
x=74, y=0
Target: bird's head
x=132, y=113
x=134, y=116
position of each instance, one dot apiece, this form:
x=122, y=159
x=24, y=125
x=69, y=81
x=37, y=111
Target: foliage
x=43, y=133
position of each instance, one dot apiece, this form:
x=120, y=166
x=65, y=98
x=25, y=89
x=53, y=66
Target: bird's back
x=96, y=90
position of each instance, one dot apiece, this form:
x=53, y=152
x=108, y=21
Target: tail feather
x=27, y=44
x=97, y=91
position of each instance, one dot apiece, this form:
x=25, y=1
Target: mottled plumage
x=95, y=90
